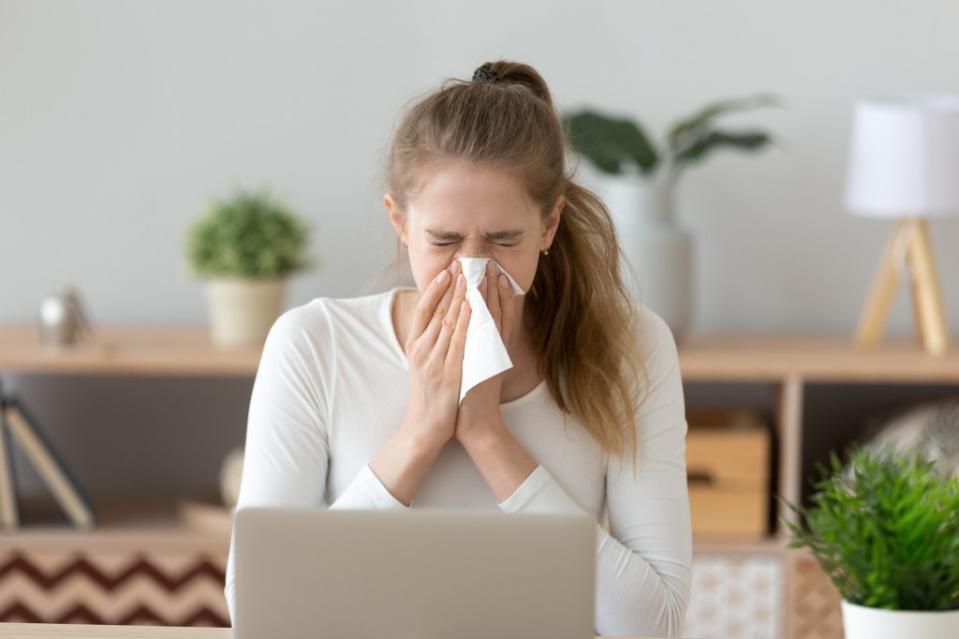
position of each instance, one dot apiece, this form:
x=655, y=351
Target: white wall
x=119, y=119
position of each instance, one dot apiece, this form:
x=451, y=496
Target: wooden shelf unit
x=790, y=363
x=787, y=363
x=179, y=351
x=793, y=367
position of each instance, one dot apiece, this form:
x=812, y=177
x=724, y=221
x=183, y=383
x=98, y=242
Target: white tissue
x=485, y=354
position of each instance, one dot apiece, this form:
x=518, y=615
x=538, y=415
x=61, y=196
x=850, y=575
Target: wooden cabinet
x=806, y=422
x=727, y=462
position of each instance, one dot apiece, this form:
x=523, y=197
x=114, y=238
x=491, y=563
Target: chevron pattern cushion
x=167, y=587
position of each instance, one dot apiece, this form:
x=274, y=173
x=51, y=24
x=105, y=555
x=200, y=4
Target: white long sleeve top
x=333, y=384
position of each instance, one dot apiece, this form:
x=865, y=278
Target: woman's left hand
x=479, y=410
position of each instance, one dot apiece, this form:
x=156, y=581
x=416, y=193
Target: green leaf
x=697, y=151
x=886, y=532
x=249, y=234
x=610, y=142
x=704, y=117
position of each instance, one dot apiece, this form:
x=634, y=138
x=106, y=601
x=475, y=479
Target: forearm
x=403, y=462
x=499, y=457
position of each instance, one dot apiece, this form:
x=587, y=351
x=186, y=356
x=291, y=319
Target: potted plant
x=886, y=532
x=638, y=180
x=246, y=246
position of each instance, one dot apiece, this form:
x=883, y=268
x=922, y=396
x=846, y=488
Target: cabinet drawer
x=727, y=448
x=727, y=511
x=727, y=463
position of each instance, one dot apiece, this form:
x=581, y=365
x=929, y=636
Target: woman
x=356, y=400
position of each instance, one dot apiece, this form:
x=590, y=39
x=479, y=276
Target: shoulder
x=663, y=396
x=314, y=321
x=660, y=414
x=656, y=339
x=329, y=330
x=306, y=341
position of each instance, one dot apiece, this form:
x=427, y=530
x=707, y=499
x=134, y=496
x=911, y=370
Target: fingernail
x=502, y=282
x=442, y=275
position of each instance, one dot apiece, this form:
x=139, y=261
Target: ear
x=397, y=219
x=551, y=223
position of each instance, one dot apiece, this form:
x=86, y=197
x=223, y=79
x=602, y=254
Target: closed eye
x=497, y=243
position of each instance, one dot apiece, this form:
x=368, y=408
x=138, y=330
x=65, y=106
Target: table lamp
x=904, y=165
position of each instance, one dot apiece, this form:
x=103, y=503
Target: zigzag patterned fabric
x=166, y=589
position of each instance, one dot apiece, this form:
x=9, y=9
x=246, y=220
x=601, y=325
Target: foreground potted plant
x=638, y=180
x=886, y=532
x=246, y=246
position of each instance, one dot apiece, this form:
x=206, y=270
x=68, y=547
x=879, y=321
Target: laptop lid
x=453, y=573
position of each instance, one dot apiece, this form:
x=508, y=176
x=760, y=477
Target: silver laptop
x=423, y=574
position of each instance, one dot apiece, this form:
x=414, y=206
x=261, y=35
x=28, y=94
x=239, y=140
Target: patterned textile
x=141, y=588
x=736, y=595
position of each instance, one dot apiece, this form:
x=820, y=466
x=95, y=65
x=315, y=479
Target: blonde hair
x=580, y=317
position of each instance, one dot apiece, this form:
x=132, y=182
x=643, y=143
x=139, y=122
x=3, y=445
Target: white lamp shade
x=904, y=157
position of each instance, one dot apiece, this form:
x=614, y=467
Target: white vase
x=654, y=244
x=862, y=622
x=242, y=310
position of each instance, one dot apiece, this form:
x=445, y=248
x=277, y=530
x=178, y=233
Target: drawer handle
x=699, y=477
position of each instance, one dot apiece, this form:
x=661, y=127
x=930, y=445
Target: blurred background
x=120, y=122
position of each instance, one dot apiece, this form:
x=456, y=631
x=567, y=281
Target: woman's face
x=462, y=210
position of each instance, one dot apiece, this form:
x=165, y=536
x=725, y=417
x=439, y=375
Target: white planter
x=242, y=310
x=862, y=622
x=654, y=244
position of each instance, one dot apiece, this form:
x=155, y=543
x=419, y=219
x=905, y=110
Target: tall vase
x=657, y=251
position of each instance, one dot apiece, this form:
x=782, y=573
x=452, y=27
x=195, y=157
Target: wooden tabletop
x=83, y=631
x=126, y=350
x=188, y=350
x=824, y=359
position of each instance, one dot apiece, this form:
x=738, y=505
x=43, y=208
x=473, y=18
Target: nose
x=473, y=249
x=472, y=254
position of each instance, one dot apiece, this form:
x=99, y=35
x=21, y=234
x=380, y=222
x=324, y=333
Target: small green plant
x=613, y=144
x=249, y=234
x=886, y=531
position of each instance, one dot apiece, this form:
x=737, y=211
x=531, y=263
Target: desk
x=83, y=631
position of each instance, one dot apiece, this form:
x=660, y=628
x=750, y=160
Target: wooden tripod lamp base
x=908, y=246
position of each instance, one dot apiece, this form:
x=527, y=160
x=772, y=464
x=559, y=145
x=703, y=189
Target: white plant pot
x=862, y=622
x=242, y=310
x=654, y=244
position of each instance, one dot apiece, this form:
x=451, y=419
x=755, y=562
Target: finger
x=423, y=312
x=446, y=306
x=458, y=343
x=492, y=295
x=448, y=325
x=508, y=303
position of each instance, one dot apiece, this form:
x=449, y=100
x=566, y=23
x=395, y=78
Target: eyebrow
x=493, y=235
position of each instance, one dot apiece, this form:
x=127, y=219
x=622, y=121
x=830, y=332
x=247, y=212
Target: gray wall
x=118, y=120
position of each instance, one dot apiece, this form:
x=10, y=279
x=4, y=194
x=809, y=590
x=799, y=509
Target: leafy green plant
x=249, y=234
x=886, y=531
x=612, y=143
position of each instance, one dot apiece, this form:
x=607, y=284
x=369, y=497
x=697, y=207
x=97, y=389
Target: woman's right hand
x=434, y=349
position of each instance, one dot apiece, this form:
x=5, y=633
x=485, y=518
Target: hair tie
x=484, y=73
